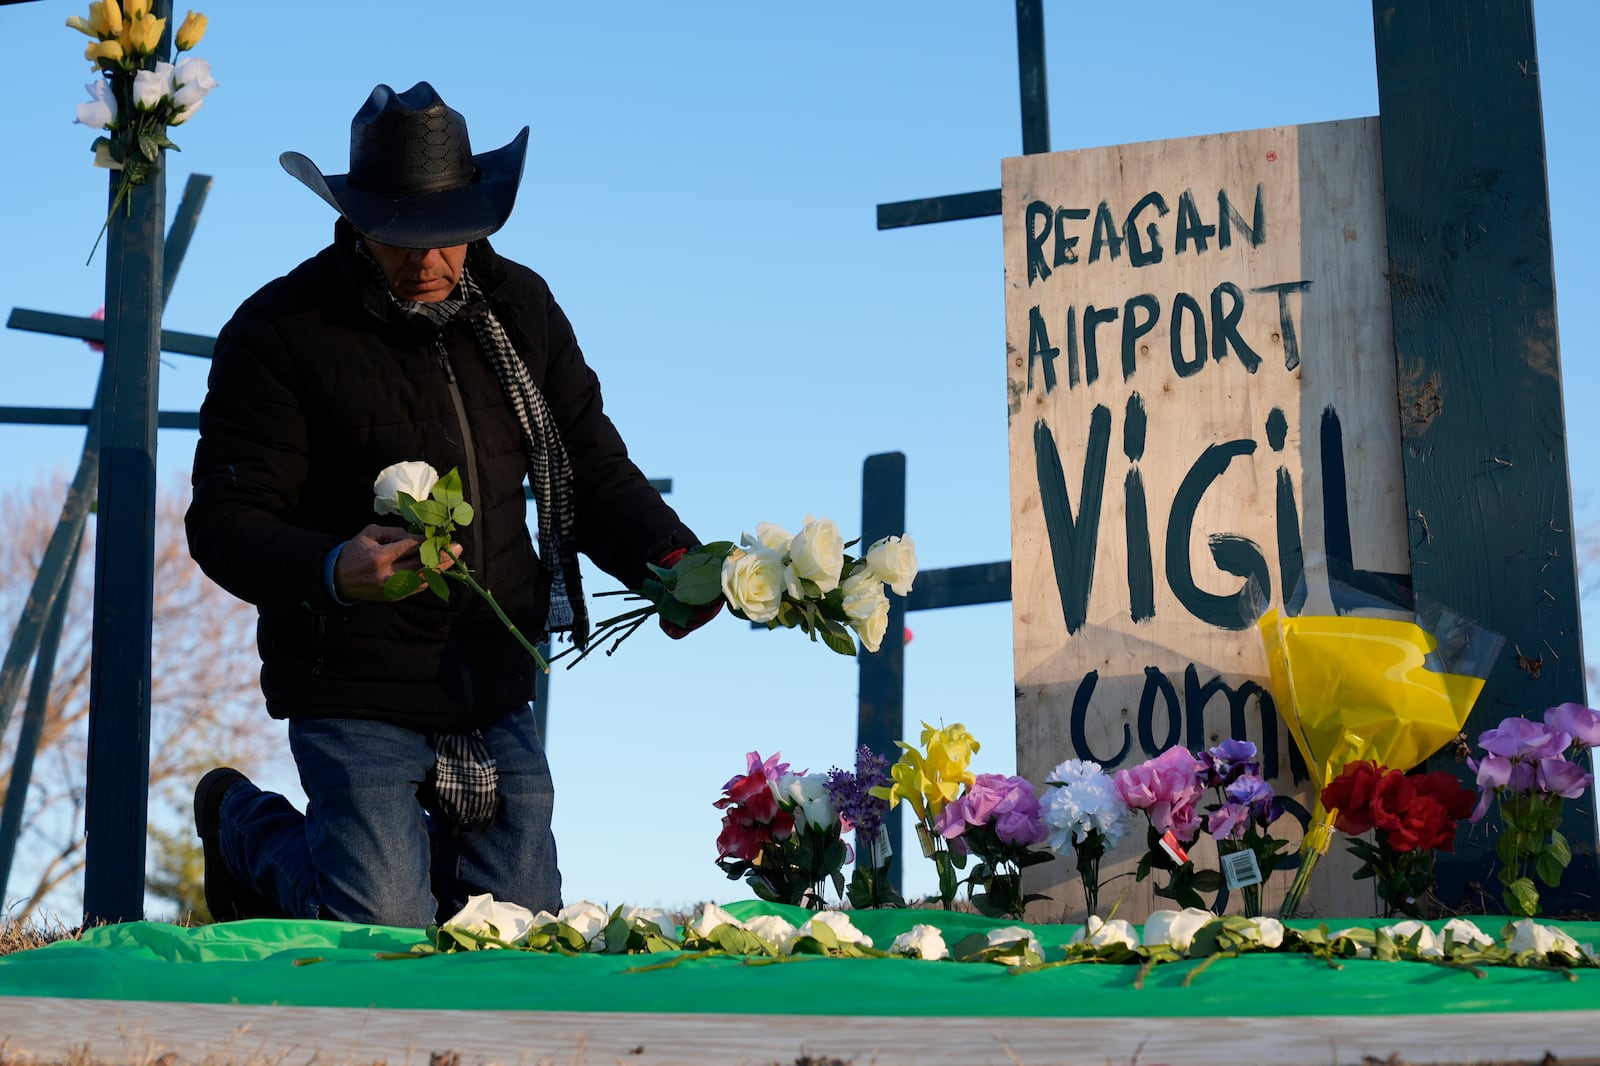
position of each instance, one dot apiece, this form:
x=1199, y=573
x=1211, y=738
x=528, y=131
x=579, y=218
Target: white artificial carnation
x=1101, y=933
x=839, y=922
x=1088, y=803
x=1175, y=929
x=779, y=932
x=1072, y=771
x=100, y=112
x=894, y=560
x=921, y=941
x=709, y=920
x=588, y=920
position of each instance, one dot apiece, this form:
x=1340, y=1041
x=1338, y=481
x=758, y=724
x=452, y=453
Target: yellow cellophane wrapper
x=1351, y=687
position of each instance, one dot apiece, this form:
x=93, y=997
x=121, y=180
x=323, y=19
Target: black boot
x=228, y=897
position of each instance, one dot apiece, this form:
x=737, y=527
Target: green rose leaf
x=430, y=513
x=699, y=579
x=462, y=513
x=436, y=584
x=447, y=490
x=428, y=552
x=837, y=637
x=401, y=584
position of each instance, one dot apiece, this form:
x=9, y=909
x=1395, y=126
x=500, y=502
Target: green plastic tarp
x=270, y=963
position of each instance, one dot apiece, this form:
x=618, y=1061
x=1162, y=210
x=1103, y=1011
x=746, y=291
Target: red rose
x=1350, y=794
x=1392, y=799
x=1428, y=820
x=1442, y=785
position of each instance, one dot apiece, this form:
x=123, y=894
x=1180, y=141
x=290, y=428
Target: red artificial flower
x=1438, y=802
x=751, y=815
x=1350, y=794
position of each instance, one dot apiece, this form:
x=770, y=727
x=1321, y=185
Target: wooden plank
x=1200, y=372
x=1485, y=459
x=118, y=1031
x=939, y=209
x=93, y=329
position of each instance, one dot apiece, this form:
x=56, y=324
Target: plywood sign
x=1201, y=381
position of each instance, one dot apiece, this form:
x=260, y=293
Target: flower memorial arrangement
x=781, y=833
x=1412, y=817
x=863, y=812
x=998, y=819
x=137, y=97
x=928, y=780
x=1528, y=769
x=1241, y=818
x=1167, y=936
x=803, y=581
x=434, y=507
x=1086, y=818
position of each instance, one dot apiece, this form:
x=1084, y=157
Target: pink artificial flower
x=1517, y=737
x=1008, y=803
x=1229, y=821
x=1582, y=723
x=1166, y=788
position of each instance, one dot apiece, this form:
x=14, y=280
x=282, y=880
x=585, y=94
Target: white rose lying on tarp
x=921, y=941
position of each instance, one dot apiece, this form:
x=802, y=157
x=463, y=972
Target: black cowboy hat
x=413, y=181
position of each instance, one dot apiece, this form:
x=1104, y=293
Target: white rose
x=768, y=535
x=588, y=920
x=1362, y=951
x=101, y=111
x=817, y=553
x=775, y=930
x=709, y=920
x=1011, y=934
x=1103, y=934
x=414, y=478
x=752, y=582
x=894, y=559
x=151, y=86
x=808, y=798
x=636, y=916
x=840, y=924
x=1175, y=928
x=1528, y=934
x=1267, y=932
x=866, y=607
x=191, y=81
x=1428, y=945
x=485, y=916
x=921, y=942
x=1463, y=933
x=185, y=114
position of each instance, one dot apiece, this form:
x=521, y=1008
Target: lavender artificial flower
x=1227, y=762
x=851, y=792
x=1518, y=738
x=1580, y=722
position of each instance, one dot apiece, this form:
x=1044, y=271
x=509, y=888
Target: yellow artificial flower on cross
x=190, y=33
x=105, y=19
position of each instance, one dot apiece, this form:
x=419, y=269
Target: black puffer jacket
x=317, y=384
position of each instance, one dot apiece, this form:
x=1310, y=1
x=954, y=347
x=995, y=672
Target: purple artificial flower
x=1560, y=777
x=1229, y=821
x=1580, y=722
x=1519, y=738
x=1007, y=803
x=851, y=793
x=1227, y=762
x=1166, y=788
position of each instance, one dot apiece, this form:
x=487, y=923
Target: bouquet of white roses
x=803, y=581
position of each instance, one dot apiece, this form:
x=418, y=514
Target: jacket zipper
x=467, y=446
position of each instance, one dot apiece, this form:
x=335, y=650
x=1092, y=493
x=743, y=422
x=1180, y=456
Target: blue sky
x=700, y=193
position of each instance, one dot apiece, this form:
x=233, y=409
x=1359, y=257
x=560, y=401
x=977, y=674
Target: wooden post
x=119, y=693
x=881, y=715
x=1478, y=356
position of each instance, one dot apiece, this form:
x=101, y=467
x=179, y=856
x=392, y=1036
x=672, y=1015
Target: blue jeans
x=369, y=849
